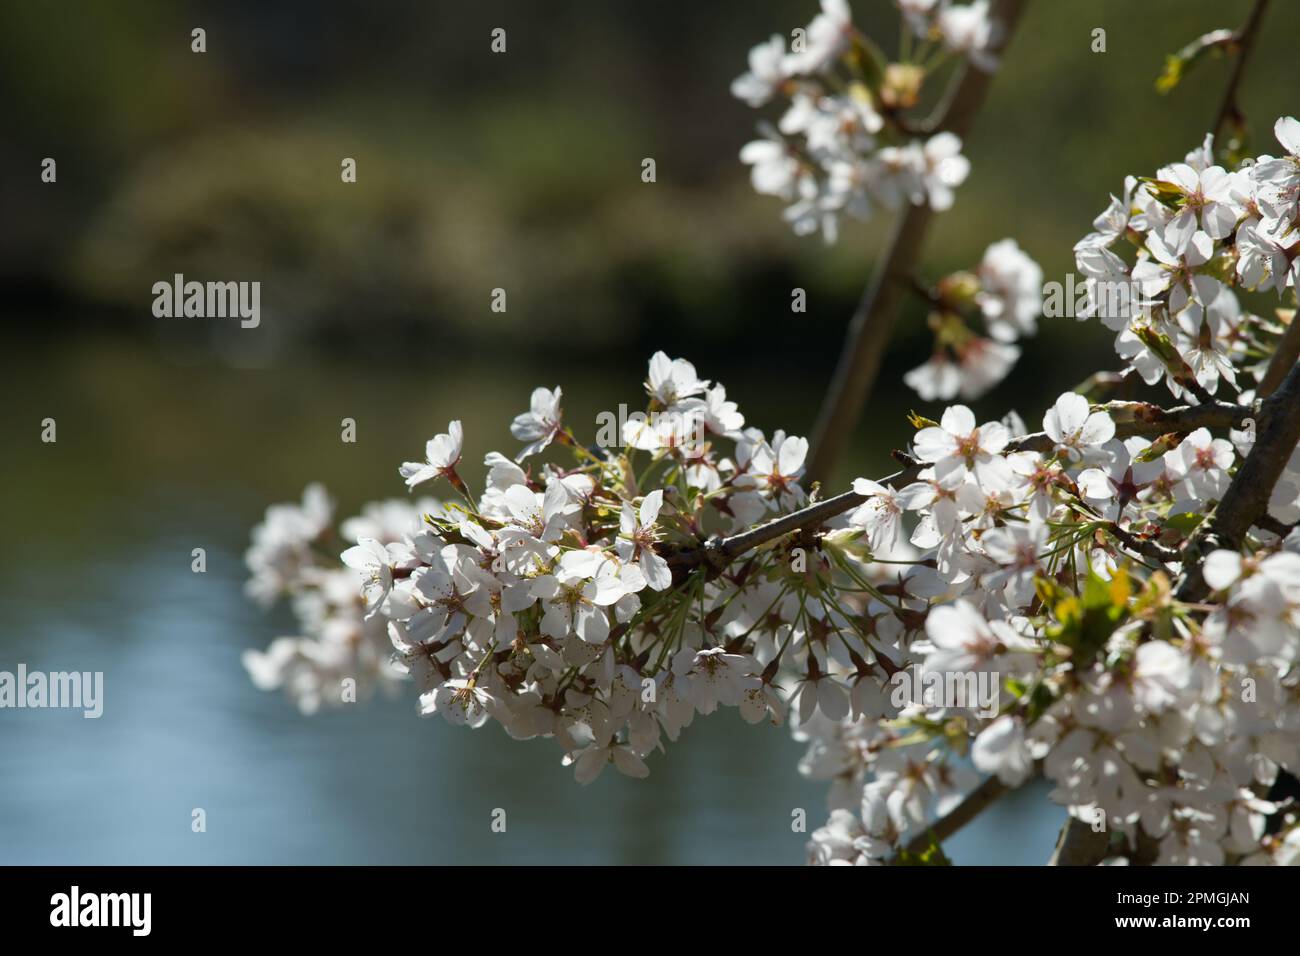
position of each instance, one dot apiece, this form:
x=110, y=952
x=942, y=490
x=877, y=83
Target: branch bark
x=1245, y=38
x=1246, y=500
x=983, y=796
x=1131, y=419
x=1079, y=845
x=1284, y=358
x=873, y=320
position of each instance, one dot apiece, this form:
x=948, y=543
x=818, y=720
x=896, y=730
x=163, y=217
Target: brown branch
x=1284, y=357
x=1148, y=421
x=1079, y=845
x=1273, y=526
x=873, y=320
x=1131, y=419
x=1245, y=41
x=1142, y=546
x=975, y=802
x=1246, y=500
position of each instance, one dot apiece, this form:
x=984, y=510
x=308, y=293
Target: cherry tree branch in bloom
x=593, y=603
x=498, y=610
x=1140, y=419
x=873, y=321
x=1243, y=504
x=1245, y=501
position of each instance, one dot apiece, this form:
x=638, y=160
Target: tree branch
x=1246, y=500
x=1245, y=39
x=1142, y=546
x=873, y=320
x=1284, y=357
x=1242, y=505
x=983, y=796
x=1079, y=845
x=1131, y=419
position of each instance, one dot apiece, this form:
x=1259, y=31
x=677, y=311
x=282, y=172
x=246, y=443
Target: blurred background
x=475, y=171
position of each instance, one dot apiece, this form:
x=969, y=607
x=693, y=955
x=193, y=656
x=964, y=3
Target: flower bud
x=902, y=85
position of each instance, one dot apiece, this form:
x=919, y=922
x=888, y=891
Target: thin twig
x=1196, y=388
x=1105, y=385
x=1143, y=546
x=1245, y=39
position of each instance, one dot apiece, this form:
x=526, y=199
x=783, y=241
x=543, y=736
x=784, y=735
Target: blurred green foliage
x=522, y=171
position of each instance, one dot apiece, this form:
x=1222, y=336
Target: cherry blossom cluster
x=561, y=601
x=845, y=143
x=294, y=556
x=1053, y=560
x=1006, y=291
x=603, y=597
x=1052, y=569
x=1197, y=234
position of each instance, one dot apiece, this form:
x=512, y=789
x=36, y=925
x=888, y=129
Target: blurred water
x=99, y=579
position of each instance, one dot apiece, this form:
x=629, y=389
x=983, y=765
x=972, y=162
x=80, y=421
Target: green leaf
x=1185, y=522
x=932, y=855
x=1084, y=623
x=920, y=421
x=1170, y=194
x=1178, y=64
